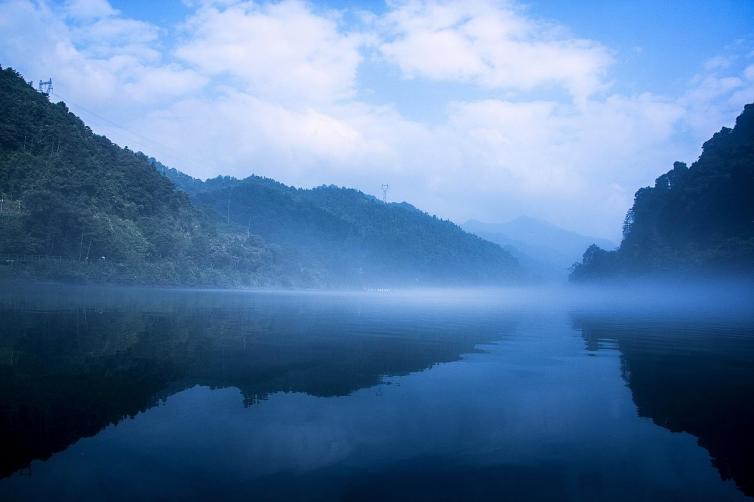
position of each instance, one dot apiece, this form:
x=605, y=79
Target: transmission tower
x=385, y=188
x=45, y=87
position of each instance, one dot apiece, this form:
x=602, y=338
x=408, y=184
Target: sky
x=482, y=109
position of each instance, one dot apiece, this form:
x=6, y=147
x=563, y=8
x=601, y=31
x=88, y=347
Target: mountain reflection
x=689, y=375
x=75, y=361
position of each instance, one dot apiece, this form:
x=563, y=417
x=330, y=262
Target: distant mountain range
x=694, y=220
x=544, y=250
x=346, y=234
x=77, y=207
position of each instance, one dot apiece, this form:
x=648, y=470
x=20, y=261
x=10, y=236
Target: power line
x=77, y=105
x=384, y=187
x=125, y=129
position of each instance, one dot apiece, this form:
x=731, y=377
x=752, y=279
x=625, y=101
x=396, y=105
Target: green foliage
x=103, y=211
x=698, y=218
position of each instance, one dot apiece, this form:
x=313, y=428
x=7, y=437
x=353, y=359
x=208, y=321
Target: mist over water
x=566, y=392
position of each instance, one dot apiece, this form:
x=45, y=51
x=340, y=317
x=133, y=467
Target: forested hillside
x=75, y=206
x=78, y=207
x=345, y=233
x=697, y=219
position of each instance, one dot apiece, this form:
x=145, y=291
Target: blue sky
x=659, y=44
x=482, y=109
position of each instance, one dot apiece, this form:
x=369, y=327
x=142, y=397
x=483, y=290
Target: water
x=123, y=394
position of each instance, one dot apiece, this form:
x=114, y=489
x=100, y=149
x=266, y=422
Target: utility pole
x=385, y=188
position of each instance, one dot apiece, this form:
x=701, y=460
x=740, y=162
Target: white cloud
x=717, y=95
x=95, y=60
x=544, y=155
x=749, y=72
x=89, y=9
x=103, y=38
x=490, y=43
x=282, y=51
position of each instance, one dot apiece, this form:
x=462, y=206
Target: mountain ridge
x=531, y=240
x=696, y=219
x=351, y=232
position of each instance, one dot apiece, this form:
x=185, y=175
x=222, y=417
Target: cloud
x=107, y=37
x=281, y=51
x=717, y=94
x=491, y=44
x=585, y=159
x=96, y=60
x=749, y=73
x=89, y=9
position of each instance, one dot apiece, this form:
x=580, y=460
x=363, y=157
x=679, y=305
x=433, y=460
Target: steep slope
x=544, y=250
x=76, y=206
x=353, y=237
x=695, y=219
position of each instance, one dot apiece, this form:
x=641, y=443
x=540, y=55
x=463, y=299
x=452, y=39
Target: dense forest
x=77, y=207
x=695, y=220
x=343, y=232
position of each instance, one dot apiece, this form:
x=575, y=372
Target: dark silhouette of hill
x=697, y=219
x=705, y=389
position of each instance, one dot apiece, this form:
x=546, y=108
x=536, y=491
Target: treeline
x=348, y=236
x=695, y=220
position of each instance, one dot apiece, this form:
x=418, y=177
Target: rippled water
x=121, y=394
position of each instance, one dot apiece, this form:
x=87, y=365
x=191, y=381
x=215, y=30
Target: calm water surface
x=124, y=394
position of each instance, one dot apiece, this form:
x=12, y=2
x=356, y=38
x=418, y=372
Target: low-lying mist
x=692, y=297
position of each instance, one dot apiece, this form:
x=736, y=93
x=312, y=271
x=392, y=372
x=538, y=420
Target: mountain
x=544, y=250
x=694, y=220
x=347, y=235
x=76, y=207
